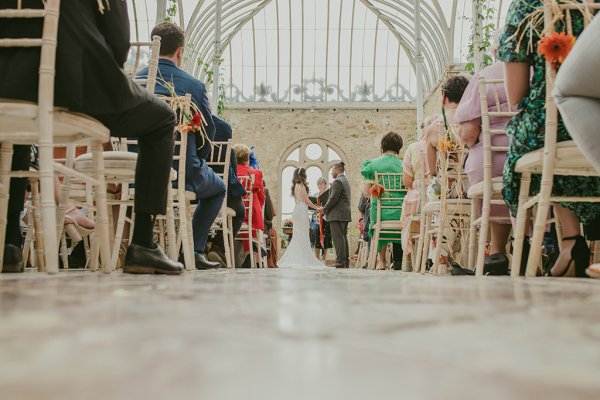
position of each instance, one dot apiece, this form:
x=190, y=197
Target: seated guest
x=92, y=48
x=270, y=213
x=412, y=165
x=452, y=91
x=389, y=162
x=200, y=179
x=527, y=133
x=235, y=191
x=468, y=116
x=578, y=99
x=257, y=191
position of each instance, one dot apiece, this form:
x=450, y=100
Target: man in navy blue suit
x=200, y=179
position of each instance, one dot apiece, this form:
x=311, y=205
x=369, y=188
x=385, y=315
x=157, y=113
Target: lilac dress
x=469, y=110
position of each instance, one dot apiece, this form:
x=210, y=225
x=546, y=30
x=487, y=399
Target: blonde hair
x=242, y=153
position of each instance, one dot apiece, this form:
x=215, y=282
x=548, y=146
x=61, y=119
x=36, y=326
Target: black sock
x=13, y=229
x=142, y=232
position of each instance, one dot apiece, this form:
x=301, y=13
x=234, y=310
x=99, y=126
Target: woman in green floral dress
x=391, y=144
x=518, y=49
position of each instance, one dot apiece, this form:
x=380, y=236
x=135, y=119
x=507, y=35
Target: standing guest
x=339, y=214
x=468, y=117
x=389, y=162
x=199, y=177
x=320, y=233
x=235, y=191
x=527, y=132
x=92, y=47
x=257, y=191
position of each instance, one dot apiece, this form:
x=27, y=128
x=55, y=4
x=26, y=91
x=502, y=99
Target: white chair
x=247, y=234
x=452, y=209
x=394, y=191
x=488, y=191
x=220, y=161
x=563, y=158
x=40, y=123
x=419, y=219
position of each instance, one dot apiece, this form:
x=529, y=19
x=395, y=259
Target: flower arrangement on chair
x=377, y=190
x=288, y=223
x=194, y=123
x=556, y=47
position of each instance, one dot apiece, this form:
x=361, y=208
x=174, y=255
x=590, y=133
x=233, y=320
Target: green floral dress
x=527, y=129
x=385, y=164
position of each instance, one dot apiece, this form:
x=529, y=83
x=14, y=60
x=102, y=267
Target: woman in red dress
x=242, y=154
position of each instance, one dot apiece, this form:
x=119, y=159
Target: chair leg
x=48, y=207
x=225, y=229
x=231, y=243
x=101, y=209
x=483, y=234
x=186, y=233
x=6, y=153
x=170, y=222
x=120, y=228
x=37, y=226
x=521, y=225
x=439, y=239
x=473, y=235
x=426, y=243
x=374, y=245
x=93, y=259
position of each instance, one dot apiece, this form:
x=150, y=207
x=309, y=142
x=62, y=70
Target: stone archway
x=317, y=156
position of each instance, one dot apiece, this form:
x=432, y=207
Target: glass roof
x=318, y=50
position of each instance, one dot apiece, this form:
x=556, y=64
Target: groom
x=338, y=214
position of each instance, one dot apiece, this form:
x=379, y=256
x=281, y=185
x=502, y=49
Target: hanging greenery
x=170, y=14
x=485, y=18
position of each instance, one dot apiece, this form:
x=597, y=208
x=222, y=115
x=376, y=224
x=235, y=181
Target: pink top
x=469, y=108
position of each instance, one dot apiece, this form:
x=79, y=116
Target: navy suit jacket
x=184, y=83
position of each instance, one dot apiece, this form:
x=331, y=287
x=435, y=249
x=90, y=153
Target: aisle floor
x=297, y=334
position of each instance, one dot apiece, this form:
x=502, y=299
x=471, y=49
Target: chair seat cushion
x=115, y=162
x=569, y=161
x=19, y=125
x=476, y=190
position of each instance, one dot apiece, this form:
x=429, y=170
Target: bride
x=299, y=253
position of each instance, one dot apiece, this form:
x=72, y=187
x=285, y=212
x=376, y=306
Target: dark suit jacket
x=338, y=205
x=92, y=49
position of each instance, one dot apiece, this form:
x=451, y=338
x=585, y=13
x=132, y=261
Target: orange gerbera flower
x=556, y=47
x=377, y=190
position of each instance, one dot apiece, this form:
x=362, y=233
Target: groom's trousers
x=339, y=235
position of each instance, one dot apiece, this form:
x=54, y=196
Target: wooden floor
x=297, y=334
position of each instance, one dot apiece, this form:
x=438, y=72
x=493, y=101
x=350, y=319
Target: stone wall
x=355, y=132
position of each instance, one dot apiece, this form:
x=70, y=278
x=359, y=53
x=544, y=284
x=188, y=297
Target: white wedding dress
x=299, y=253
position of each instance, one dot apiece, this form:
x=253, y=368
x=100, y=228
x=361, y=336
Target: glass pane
x=314, y=151
x=332, y=155
x=294, y=156
x=313, y=173
x=287, y=202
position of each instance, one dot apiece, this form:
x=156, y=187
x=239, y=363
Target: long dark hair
x=299, y=177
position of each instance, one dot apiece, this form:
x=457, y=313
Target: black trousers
x=339, y=235
x=152, y=123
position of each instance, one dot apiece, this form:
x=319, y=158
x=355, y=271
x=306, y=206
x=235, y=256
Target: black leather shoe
x=13, y=259
x=457, y=270
x=143, y=260
x=202, y=263
x=496, y=264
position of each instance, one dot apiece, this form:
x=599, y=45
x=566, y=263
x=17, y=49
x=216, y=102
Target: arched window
x=317, y=156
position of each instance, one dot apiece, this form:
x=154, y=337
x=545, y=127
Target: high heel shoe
x=73, y=227
x=580, y=259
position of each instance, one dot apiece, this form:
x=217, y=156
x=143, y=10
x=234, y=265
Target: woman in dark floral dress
x=527, y=129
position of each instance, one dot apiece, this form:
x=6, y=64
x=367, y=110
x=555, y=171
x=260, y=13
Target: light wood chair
x=248, y=234
x=554, y=159
x=452, y=209
x=24, y=123
x=488, y=191
x=220, y=161
x=394, y=191
x=417, y=219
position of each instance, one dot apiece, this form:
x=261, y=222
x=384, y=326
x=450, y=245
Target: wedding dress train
x=299, y=253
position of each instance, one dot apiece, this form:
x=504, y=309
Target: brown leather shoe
x=338, y=265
